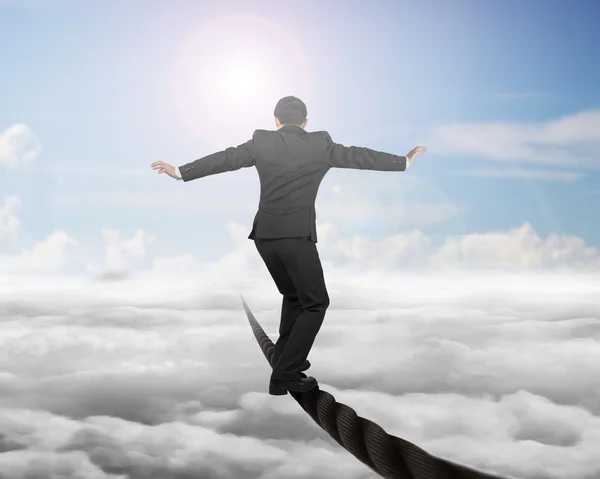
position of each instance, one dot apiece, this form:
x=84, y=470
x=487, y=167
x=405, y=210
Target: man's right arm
x=340, y=156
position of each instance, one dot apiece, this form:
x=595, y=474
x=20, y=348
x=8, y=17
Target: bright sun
x=242, y=78
x=231, y=73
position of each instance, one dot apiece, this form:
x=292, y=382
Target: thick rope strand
x=389, y=456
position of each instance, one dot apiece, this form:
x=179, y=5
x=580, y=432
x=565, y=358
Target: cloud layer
x=158, y=375
x=517, y=249
x=157, y=379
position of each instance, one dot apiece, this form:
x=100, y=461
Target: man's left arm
x=230, y=159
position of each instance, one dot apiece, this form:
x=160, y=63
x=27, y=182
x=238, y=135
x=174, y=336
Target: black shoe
x=301, y=385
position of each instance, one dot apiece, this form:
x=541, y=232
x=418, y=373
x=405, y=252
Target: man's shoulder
x=261, y=132
x=321, y=135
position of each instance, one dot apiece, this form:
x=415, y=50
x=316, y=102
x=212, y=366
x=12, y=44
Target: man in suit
x=291, y=163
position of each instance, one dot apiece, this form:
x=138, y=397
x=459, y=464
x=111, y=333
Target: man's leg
x=290, y=305
x=303, y=265
x=290, y=310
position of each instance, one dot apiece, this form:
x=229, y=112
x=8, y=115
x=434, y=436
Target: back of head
x=291, y=111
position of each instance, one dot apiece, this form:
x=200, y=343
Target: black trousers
x=295, y=267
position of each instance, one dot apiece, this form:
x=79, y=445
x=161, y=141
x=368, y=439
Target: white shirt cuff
x=178, y=173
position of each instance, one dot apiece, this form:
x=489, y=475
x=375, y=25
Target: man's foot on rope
x=300, y=385
x=304, y=367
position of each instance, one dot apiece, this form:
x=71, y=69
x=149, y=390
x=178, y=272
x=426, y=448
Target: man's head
x=290, y=111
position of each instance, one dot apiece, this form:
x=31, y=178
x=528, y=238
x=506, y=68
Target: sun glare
x=242, y=80
x=230, y=74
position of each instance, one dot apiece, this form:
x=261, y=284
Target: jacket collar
x=293, y=129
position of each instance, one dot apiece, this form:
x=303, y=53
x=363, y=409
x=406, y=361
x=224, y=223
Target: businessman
x=291, y=164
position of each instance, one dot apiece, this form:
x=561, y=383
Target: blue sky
x=97, y=84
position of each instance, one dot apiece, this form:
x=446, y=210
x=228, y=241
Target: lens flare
x=231, y=73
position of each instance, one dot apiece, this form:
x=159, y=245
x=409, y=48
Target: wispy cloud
x=524, y=174
x=568, y=141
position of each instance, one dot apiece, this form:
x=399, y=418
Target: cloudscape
x=465, y=292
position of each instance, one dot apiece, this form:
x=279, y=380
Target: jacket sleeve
x=230, y=159
x=340, y=156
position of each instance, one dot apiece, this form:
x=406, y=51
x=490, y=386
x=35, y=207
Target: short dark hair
x=291, y=111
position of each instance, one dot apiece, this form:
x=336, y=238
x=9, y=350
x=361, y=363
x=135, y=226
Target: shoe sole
x=277, y=391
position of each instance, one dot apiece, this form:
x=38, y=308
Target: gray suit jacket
x=291, y=164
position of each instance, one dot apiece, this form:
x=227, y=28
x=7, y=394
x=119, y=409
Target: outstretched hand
x=417, y=150
x=163, y=167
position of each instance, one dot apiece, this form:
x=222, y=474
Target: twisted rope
x=387, y=455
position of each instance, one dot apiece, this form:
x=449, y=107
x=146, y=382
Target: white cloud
x=59, y=250
x=517, y=249
x=120, y=254
x=154, y=379
x=509, y=355
x=49, y=255
x=525, y=174
x=18, y=145
x=569, y=141
x=10, y=226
